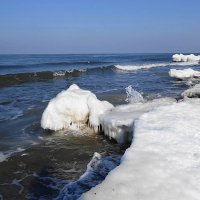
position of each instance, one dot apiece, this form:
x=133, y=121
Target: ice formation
x=133, y=96
x=72, y=108
x=184, y=74
x=118, y=124
x=185, y=58
x=163, y=160
x=192, y=92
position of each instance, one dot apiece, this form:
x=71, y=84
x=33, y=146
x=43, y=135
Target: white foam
x=59, y=73
x=138, y=67
x=185, y=58
x=73, y=107
x=192, y=92
x=152, y=65
x=184, y=74
x=163, y=160
x=118, y=123
x=5, y=155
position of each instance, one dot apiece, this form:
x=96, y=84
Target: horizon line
x=96, y=53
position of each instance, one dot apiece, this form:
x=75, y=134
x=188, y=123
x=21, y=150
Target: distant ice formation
x=192, y=92
x=185, y=58
x=72, y=108
x=184, y=74
x=163, y=160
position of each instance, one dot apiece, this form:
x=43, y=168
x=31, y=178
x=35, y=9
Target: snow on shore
x=163, y=160
x=185, y=58
x=184, y=74
x=118, y=124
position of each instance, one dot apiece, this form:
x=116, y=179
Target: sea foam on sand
x=163, y=160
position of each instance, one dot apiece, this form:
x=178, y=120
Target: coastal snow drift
x=184, y=74
x=72, y=108
x=192, y=92
x=185, y=58
x=118, y=124
x=163, y=160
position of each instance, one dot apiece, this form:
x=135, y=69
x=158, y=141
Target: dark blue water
x=28, y=82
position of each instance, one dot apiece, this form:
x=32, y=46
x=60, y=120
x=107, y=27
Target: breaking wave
x=13, y=79
x=152, y=65
x=18, y=78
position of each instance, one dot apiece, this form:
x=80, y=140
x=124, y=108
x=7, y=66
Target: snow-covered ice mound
x=163, y=161
x=192, y=92
x=184, y=74
x=185, y=58
x=72, y=108
x=118, y=124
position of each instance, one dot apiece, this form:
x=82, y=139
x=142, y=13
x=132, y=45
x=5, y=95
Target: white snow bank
x=163, y=160
x=184, y=74
x=185, y=58
x=118, y=124
x=192, y=92
x=73, y=107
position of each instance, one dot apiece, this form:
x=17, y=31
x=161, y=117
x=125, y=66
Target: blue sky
x=99, y=26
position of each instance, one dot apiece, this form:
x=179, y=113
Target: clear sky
x=99, y=26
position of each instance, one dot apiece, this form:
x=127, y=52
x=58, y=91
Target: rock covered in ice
x=192, y=92
x=163, y=160
x=73, y=107
x=118, y=124
x=184, y=74
x=185, y=58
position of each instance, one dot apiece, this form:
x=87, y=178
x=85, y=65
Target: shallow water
x=35, y=164
x=41, y=170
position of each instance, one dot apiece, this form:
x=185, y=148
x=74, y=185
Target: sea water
x=35, y=164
